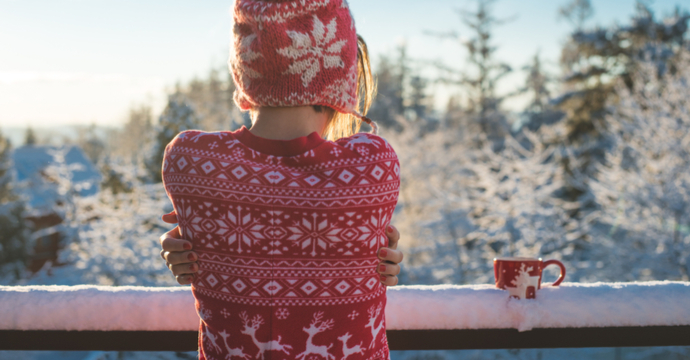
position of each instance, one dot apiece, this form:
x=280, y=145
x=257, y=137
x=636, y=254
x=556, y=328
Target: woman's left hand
x=390, y=258
x=181, y=260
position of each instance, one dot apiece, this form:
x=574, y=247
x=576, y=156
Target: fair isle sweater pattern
x=287, y=234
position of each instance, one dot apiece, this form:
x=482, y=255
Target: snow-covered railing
x=417, y=317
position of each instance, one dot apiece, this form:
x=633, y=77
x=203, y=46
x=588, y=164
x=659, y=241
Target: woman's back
x=287, y=234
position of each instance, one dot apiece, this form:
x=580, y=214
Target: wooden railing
x=418, y=318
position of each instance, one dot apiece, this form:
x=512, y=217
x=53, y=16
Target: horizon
x=69, y=64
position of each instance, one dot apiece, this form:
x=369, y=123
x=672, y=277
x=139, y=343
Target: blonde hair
x=343, y=124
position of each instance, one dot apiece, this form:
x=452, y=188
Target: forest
x=594, y=171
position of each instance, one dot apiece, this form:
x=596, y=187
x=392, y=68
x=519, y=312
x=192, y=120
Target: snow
x=86, y=307
x=32, y=161
x=417, y=307
x=654, y=303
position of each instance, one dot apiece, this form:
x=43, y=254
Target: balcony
x=441, y=317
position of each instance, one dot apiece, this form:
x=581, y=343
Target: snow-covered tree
x=644, y=189
x=6, y=193
x=212, y=99
x=91, y=143
x=420, y=101
x=126, y=144
x=594, y=59
x=30, y=137
x=114, y=179
x=179, y=115
x=117, y=242
x=537, y=87
x=13, y=242
x=465, y=205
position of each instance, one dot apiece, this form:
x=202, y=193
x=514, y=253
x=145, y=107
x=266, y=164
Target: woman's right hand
x=177, y=253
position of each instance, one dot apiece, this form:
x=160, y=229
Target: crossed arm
x=181, y=258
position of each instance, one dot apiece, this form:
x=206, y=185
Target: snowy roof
x=574, y=305
x=31, y=161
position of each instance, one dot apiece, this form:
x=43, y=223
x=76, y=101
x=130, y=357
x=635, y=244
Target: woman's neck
x=287, y=123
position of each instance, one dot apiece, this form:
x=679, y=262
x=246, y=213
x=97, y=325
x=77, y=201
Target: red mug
x=522, y=276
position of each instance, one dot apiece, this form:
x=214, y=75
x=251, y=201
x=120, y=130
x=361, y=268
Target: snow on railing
x=440, y=307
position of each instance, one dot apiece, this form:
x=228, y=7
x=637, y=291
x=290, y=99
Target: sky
x=78, y=62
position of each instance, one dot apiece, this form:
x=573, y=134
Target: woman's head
x=303, y=52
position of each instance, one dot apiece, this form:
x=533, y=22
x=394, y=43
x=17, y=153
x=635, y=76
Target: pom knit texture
x=295, y=53
x=287, y=234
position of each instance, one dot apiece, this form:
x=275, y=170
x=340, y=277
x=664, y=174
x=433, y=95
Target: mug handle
x=560, y=265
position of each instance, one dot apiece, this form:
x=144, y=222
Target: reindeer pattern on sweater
x=287, y=234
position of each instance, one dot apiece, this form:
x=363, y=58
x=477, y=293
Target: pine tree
x=179, y=115
x=389, y=105
x=92, y=145
x=30, y=137
x=485, y=71
x=418, y=99
x=595, y=59
x=213, y=100
x=12, y=227
x=114, y=180
x=539, y=109
x=644, y=186
x=455, y=115
x=135, y=135
x=577, y=12
x=402, y=94
x=6, y=193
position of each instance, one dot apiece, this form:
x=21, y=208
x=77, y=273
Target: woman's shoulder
x=366, y=144
x=204, y=139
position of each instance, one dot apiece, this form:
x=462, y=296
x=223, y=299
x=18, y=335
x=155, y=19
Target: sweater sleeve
x=376, y=149
x=168, y=153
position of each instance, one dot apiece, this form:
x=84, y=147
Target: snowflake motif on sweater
x=287, y=234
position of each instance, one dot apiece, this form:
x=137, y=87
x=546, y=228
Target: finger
x=172, y=244
x=177, y=258
x=174, y=233
x=184, y=269
x=184, y=279
x=170, y=218
x=389, y=280
x=393, y=236
x=391, y=270
x=388, y=269
x=390, y=255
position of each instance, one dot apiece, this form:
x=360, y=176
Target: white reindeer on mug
x=314, y=328
x=250, y=327
x=373, y=315
x=349, y=351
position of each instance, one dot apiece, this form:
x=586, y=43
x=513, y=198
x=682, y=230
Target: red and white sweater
x=287, y=234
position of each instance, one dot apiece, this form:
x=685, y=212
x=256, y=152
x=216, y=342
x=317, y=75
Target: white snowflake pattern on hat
x=247, y=55
x=323, y=47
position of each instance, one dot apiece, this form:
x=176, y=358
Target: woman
x=287, y=218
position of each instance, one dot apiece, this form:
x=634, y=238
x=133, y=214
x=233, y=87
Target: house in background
x=48, y=178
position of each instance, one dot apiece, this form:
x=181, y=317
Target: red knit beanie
x=295, y=53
